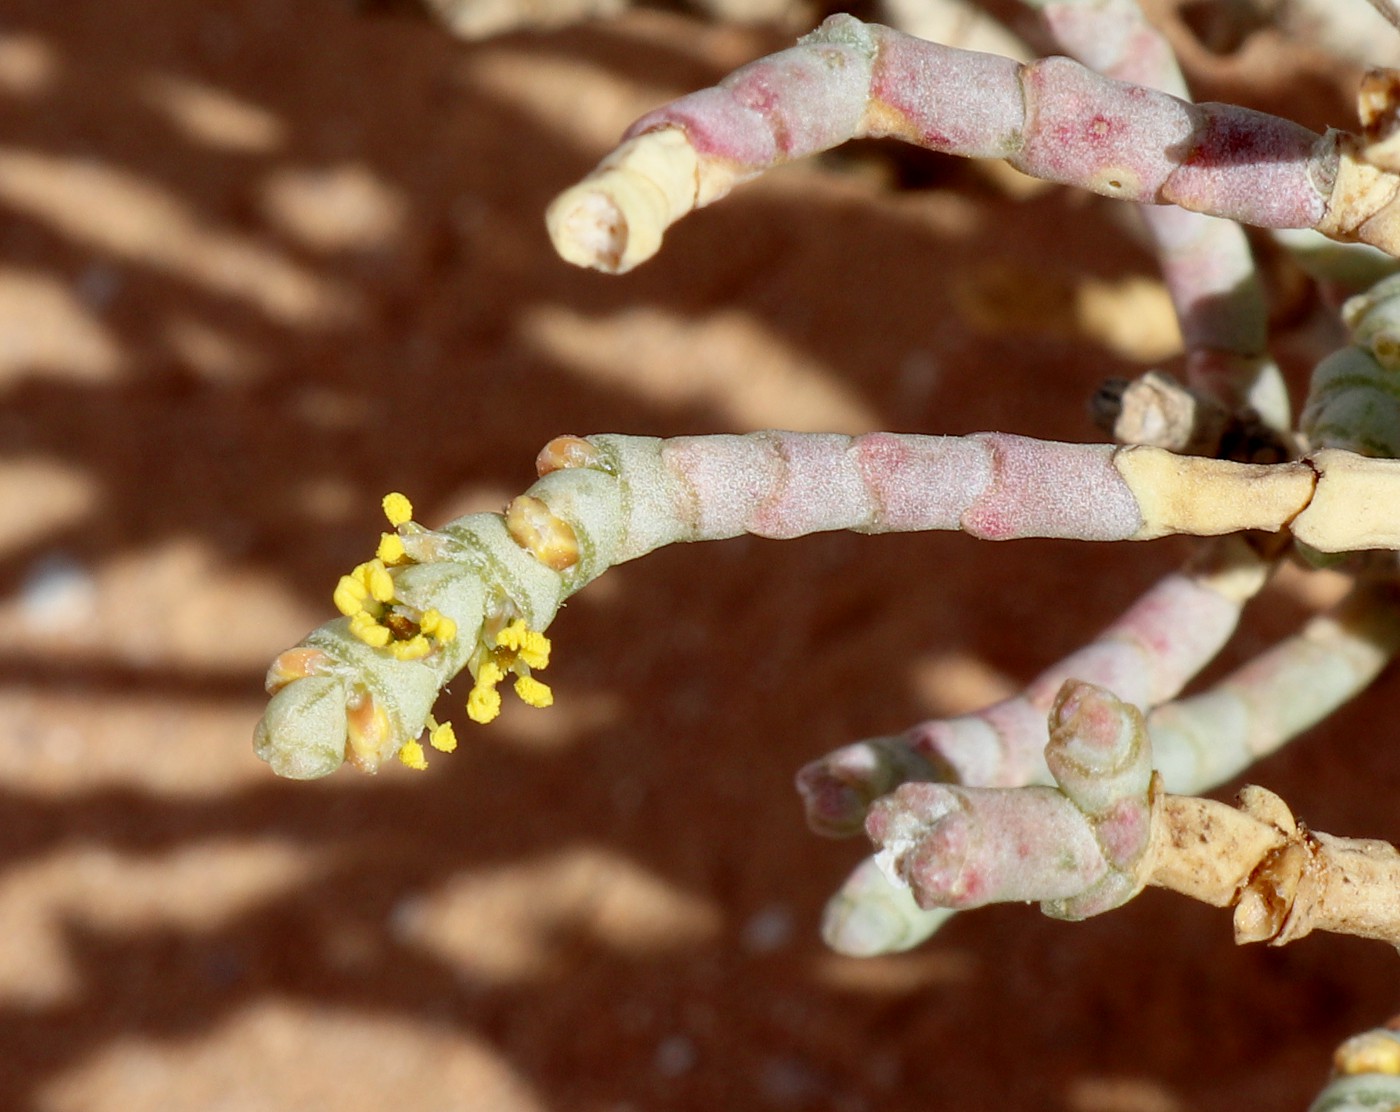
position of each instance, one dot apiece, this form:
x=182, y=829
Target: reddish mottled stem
x=1206, y=261
x=1053, y=119
x=1198, y=743
x=1108, y=830
x=1146, y=657
x=1074, y=848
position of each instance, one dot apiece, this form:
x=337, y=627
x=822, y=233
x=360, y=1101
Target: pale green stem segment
x=1207, y=739
x=1354, y=397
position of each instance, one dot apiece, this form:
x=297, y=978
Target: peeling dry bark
x=1283, y=880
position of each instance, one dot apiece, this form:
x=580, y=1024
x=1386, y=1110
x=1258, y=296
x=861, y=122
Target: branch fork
x=1107, y=830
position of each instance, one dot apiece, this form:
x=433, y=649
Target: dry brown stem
x=1283, y=880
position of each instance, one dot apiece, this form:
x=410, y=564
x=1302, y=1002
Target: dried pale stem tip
x=1157, y=410
x=615, y=217
x=1283, y=880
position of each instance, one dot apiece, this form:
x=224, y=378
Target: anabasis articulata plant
x=1083, y=789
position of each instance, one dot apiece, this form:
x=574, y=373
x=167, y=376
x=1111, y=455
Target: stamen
x=533, y=693
x=398, y=509
x=413, y=756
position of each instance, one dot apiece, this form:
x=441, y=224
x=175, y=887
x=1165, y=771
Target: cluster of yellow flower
x=382, y=620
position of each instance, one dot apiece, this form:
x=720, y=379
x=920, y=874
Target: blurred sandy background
x=261, y=262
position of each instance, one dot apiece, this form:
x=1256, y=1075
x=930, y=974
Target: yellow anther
x=350, y=595
x=381, y=583
x=530, y=645
x=398, y=509
x=512, y=635
x=438, y=626
x=412, y=755
x=441, y=735
x=415, y=648
x=363, y=626
x=391, y=549
x=483, y=704
x=534, y=649
x=534, y=693
x=490, y=674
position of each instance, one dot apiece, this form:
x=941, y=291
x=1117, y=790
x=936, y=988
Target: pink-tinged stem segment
x=1074, y=848
x=1146, y=657
x=1053, y=119
x=1109, y=830
x=1198, y=743
x=1203, y=741
x=1206, y=261
x=991, y=485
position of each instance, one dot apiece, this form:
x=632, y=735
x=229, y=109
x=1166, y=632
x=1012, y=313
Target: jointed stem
x=1053, y=119
x=1109, y=830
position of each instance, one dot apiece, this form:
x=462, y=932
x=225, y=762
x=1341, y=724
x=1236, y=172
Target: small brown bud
x=564, y=452
x=547, y=538
x=295, y=664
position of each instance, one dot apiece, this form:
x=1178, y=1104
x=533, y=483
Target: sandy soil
x=262, y=262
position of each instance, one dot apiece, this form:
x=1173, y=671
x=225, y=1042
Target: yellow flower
x=530, y=645
x=364, y=626
x=415, y=648
x=438, y=626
